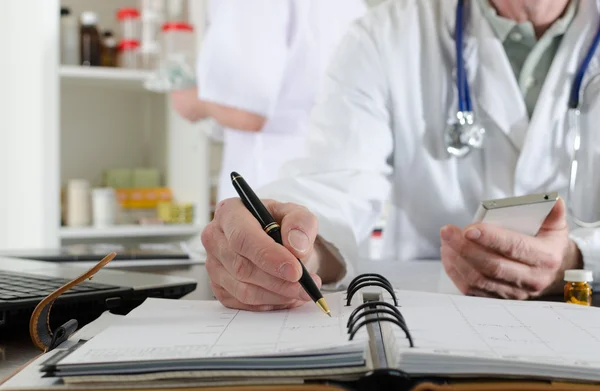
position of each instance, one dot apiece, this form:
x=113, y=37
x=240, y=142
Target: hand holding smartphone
x=524, y=214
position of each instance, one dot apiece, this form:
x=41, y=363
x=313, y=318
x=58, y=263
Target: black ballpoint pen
x=272, y=228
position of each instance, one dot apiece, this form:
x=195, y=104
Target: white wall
x=104, y=128
x=29, y=147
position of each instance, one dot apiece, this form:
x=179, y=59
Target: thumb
x=299, y=228
x=557, y=218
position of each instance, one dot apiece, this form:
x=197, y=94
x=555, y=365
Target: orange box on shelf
x=143, y=198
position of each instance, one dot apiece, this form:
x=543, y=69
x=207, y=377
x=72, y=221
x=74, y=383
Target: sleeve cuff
x=332, y=254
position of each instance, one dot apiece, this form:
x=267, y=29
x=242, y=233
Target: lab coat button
x=516, y=36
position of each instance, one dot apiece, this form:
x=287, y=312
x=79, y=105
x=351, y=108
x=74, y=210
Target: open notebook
x=452, y=335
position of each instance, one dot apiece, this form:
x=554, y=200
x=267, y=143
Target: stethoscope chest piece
x=463, y=135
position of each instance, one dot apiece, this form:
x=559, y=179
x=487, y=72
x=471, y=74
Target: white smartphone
x=524, y=214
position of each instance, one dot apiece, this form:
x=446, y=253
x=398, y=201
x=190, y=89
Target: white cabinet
x=66, y=123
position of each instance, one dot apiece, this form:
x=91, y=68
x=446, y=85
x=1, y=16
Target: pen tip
x=322, y=304
x=329, y=314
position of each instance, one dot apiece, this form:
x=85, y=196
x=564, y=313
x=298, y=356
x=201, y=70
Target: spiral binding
x=358, y=317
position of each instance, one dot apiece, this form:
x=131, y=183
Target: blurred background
x=92, y=152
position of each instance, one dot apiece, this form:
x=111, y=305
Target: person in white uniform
x=380, y=128
x=258, y=71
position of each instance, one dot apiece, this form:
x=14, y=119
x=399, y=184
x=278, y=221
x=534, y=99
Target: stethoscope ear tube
x=464, y=133
x=462, y=86
x=575, y=95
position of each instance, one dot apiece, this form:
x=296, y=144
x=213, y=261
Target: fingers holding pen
x=245, y=237
x=244, y=276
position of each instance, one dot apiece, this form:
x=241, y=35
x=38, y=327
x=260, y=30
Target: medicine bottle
x=104, y=206
x=128, y=54
x=129, y=24
x=78, y=203
x=152, y=18
x=109, y=49
x=69, y=38
x=577, y=288
x=90, y=44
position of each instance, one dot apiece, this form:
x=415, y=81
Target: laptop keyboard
x=18, y=286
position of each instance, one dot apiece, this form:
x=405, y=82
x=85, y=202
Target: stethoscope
x=466, y=133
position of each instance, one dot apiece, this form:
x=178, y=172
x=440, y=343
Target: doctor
x=258, y=71
x=381, y=128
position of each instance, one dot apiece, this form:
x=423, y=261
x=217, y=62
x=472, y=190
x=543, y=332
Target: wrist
x=571, y=260
x=573, y=257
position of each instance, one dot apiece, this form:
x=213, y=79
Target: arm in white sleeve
x=588, y=241
x=344, y=180
x=244, y=54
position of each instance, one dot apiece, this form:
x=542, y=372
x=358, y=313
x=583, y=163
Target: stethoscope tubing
x=461, y=74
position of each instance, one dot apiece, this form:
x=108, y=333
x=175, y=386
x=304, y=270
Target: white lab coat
x=378, y=130
x=268, y=57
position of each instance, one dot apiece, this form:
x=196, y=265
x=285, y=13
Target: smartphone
x=524, y=214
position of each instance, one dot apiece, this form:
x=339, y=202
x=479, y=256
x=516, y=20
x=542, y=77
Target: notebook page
x=536, y=332
x=172, y=329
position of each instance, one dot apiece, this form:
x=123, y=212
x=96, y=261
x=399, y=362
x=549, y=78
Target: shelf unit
x=71, y=122
x=130, y=79
x=129, y=231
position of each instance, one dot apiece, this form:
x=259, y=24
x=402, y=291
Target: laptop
x=24, y=283
x=86, y=252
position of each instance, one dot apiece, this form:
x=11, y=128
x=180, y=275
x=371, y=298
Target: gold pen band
x=271, y=227
x=235, y=177
x=322, y=304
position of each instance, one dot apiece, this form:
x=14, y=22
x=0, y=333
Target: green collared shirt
x=529, y=57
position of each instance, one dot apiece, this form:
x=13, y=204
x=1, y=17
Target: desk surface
x=16, y=350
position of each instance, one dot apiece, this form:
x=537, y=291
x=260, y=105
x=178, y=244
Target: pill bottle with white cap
x=577, y=287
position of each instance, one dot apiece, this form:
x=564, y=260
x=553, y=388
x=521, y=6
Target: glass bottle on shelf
x=178, y=53
x=152, y=17
x=128, y=54
x=90, y=45
x=129, y=24
x=109, y=49
x=176, y=10
x=69, y=37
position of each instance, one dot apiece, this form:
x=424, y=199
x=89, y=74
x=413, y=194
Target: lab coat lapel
x=548, y=143
x=497, y=99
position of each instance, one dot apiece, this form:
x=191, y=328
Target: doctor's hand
x=485, y=260
x=247, y=268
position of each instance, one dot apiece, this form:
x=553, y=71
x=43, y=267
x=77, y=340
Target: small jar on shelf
x=109, y=49
x=129, y=23
x=178, y=53
x=129, y=54
x=78, y=203
x=177, y=41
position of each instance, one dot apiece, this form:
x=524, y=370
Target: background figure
x=259, y=69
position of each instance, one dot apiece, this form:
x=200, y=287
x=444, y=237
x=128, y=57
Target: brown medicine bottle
x=577, y=287
x=90, y=44
x=109, y=49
